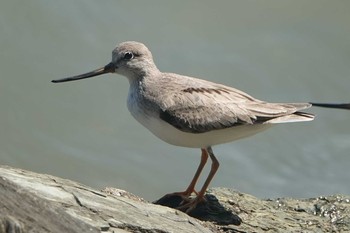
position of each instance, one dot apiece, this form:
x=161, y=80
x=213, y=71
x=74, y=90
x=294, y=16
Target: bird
x=190, y=112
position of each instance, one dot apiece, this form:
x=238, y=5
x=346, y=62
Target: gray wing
x=213, y=106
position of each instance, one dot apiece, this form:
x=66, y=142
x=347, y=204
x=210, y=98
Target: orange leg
x=190, y=189
x=200, y=197
x=204, y=158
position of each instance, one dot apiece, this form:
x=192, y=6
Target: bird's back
x=197, y=106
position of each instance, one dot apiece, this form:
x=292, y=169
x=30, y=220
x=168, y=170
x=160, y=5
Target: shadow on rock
x=210, y=210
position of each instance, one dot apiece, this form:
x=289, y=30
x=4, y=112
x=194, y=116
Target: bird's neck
x=138, y=77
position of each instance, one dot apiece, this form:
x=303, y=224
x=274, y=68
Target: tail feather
x=303, y=116
x=295, y=117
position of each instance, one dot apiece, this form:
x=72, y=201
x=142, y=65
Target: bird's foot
x=191, y=203
x=177, y=199
x=185, y=195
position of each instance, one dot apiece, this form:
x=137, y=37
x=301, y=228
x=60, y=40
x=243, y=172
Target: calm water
x=275, y=50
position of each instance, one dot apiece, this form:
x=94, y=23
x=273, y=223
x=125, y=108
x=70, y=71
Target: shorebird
x=191, y=112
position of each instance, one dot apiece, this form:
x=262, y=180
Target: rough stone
x=32, y=202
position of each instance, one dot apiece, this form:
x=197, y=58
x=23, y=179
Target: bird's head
x=130, y=59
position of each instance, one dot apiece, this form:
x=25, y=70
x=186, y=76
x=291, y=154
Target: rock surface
x=32, y=202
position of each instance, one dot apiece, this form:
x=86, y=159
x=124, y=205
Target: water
x=275, y=50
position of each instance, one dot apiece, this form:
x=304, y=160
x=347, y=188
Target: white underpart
x=174, y=136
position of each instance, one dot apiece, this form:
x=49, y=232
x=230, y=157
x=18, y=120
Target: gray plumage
x=195, y=105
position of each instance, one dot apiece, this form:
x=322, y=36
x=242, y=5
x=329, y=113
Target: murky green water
x=275, y=50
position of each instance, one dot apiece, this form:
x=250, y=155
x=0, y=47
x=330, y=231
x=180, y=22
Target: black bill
x=110, y=68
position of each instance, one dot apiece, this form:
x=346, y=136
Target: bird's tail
x=345, y=106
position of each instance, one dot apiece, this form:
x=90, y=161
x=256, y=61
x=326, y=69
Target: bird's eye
x=128, y=56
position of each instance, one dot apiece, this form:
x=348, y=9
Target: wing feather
x=202, y=106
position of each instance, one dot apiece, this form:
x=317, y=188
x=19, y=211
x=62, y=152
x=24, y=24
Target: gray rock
x=321, y=214
x=32, y=202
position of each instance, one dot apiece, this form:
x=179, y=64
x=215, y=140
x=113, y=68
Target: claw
x=185, y=196
x=191, y=204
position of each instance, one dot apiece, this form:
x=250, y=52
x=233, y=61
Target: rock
x=320, y=214
x=32, y=202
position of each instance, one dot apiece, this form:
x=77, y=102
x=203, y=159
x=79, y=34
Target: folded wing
x=213, y=107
